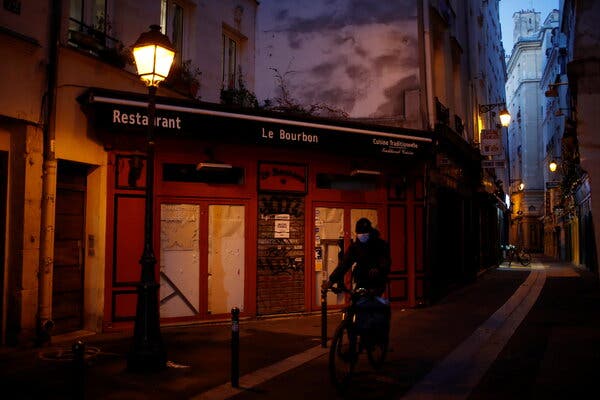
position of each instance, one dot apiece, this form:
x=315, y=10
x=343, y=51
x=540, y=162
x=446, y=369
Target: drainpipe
x=426, y=63
x=45, y=323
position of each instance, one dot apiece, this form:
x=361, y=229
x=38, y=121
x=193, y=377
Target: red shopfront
x=253, y=209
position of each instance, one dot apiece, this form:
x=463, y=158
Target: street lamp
x=504, y=117
x=153, y=55
x=504, y=114
x=552, y=91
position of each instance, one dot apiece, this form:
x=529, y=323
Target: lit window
x=230, y=49
x=171, y=24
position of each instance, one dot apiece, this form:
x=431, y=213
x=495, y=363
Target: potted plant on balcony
x=239, y=96
x=184, y=78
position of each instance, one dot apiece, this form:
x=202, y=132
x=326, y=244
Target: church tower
x=527, y=24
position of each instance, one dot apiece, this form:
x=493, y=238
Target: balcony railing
x=98, y=43
x=459, y=127
x=442, y=113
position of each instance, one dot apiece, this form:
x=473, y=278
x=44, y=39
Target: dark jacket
x=375, y=253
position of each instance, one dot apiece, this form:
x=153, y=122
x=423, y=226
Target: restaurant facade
x=252, y=209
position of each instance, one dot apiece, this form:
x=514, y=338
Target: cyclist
x=371, y=256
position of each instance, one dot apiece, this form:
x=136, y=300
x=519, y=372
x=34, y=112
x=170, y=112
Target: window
x=90, y=13
x=230, y=49
x=171, y=24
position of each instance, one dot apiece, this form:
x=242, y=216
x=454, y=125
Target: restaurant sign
x=123, y=116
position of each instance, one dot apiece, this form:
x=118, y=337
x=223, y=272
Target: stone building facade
x=252, y=206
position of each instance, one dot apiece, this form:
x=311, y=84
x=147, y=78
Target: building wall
x=24, y=41
x=387, y=72
x=582, y=29
x=326, y=55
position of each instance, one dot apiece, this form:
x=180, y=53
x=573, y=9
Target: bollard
x=78, y=365
x=235, y=347
x=324, y=314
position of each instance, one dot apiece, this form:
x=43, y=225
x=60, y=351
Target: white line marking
x=457, y=375
x=255, y=378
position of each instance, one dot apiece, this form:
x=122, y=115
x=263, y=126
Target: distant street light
x=153, y=55
x=504, y=117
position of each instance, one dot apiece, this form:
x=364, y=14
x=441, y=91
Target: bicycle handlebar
x=340, y=287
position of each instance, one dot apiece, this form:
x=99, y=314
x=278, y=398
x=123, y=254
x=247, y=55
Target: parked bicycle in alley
x=511, y=253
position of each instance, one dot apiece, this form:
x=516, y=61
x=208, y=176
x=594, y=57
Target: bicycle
x=351, y=337
x=511, y=253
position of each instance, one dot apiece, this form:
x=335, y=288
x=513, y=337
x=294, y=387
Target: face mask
x=362, y=237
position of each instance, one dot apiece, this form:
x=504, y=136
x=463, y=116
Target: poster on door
x=282, y=226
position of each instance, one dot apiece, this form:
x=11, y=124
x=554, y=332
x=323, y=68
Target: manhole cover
x=65, y=353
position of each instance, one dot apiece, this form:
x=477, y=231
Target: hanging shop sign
x=490, y=143
x=121, y=115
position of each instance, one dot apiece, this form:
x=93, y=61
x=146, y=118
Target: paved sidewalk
x=553, y=352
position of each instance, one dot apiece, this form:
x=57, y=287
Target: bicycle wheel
x=524, y=257
x=377, y=350
x=510, y=255
x=343, y=355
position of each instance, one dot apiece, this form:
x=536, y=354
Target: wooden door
x=68, y=275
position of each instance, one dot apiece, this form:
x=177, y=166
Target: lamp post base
x=147, y=352
x=150, y=358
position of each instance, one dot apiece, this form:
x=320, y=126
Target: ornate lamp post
x=153, y=55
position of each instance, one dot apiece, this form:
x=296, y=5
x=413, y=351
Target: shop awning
x=123, y=112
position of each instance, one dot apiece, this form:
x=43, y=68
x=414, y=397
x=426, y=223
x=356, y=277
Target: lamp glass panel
x=164, y=60
x=144, y=60
x=504, y=118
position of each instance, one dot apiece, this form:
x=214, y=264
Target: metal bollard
x=78, y=366
x=235, y=347
x=324, y=314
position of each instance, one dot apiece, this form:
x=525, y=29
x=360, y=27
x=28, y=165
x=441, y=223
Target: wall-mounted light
x=504, y=117
x=358, y=172
x=208, y=165
x=504, y=114
x=552, y=166
x=552, y=91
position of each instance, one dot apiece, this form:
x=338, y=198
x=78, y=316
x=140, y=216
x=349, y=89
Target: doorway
x=334, y=231
x=68, y=274
x=202, y=258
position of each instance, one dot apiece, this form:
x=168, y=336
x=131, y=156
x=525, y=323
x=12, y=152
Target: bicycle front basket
x=372, y=315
